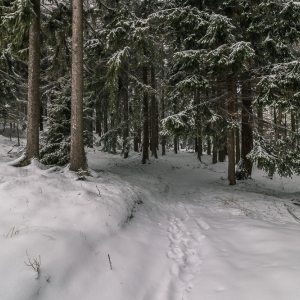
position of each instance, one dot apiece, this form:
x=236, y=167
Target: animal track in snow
x=183, y=246
x=202, y=224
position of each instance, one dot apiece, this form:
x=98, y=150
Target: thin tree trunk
x=208, y=146
x=175, y=145
x=77, y=155
x=247, y=133
x=105, y=121
x=278, y=123
x=153, y=116
x=98, y=118
x=32, y=148
x=237, y=136
x=198, y=141
x=260, y=124
x=293, y=127
x=215, y=154
x=163, y=138
x=237, y=146
x=145, y=147
x=156, y=124
x=126, y=114
x=230, y=139
x=136, y=126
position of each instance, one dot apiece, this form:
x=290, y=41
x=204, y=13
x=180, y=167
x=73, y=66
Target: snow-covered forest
x=149, y=150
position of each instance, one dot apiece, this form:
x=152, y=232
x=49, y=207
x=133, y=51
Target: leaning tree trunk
x=33, y=111
x=145, y=145
x=230, y=139
x=247, y=133
x=77, y=155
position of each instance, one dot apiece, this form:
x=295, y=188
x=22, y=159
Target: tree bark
x=198, y=141
x=237, y=135
x=33, y=110
x=77, y=155
x=126, y=114
x=215, y=155
x=163, y=138
x=260, y=125
x=175, y=145
x=145, y=145
x=153, y=116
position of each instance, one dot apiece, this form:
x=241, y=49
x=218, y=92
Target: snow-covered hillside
x=170, y=230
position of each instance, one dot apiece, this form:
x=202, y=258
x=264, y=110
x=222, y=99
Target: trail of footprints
x=183, y=251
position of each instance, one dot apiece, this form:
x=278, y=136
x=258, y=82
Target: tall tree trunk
x=113, y=144
x=153, y=116
x=260, y=125
x=163, y=138
x=278, y=123
x=136, y=125
x=98, y=118
x=198, y=141
x=222, y=153
x=77, y=155
x=293, y=127
x=247, y=133
x=175, y=145
x=230, y=139
x=215, y=154
x=145, y=147
x=208, y=146
x=156, y=124
x=237, y=146
x=33, y=110
x=126, y=114
x=237, y=135
x=105, y=119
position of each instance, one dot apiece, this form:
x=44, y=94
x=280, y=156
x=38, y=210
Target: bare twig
x=98, y=191
x=36, y=264
x=109, y=262
x=290, y=211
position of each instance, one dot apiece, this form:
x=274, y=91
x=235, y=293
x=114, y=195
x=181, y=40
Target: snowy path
x=174, y=230
x=221, y=242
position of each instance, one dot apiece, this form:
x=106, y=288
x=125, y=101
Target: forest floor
x=170, y=230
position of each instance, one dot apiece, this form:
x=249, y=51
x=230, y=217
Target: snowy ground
x=173, y=229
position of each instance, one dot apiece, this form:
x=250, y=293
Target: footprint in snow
x=202, y=224
x=183, y=250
